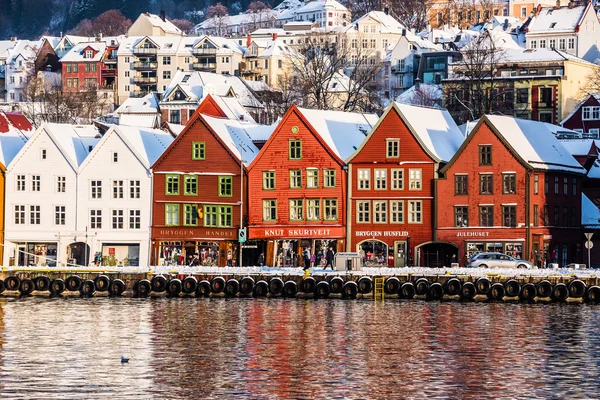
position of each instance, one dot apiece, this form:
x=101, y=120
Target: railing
x=144, y=50
x=109, y=72
x=145, y=80
x=204, y=66
x=201, y=51
x=144, y=65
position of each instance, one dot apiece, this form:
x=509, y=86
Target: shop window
x=379, y=212
x=270, y=210
x=295, y=150
x=172, y=184
x=96, y=219
x=296, y=210
x=415, y=208
x=380, y=179
x=268, y=180
x=135, y=219
x=509, y=216
x=295, y=178
x=312, y=178
x=117, y=189
x=485, y=155
x=225, y=186
x=330, y=208
x=198, y=150
x=461, y=216
x=414, y=179
x=172, y=214
x=313, y=209
x=509, y=183
x=190, y=215
x=461, y=184
x=363, y=212
x=393, y=148
x=486, y=215
x=364, y=179
x=329, y=178
x=117, y=219
x=396, y=211
x=397, y=176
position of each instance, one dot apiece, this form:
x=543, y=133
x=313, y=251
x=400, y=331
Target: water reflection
x=207, y=348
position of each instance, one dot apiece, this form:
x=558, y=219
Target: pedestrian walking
x=329, y=258
x=306, y=259
x=261, y=259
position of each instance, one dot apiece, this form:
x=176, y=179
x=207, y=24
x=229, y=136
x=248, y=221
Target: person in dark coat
x=306, y=259
x=261, y=259
x=329, y=258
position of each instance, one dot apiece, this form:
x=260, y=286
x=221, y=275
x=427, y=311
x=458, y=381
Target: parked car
x=497, y=260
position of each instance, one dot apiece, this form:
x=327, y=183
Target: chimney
x=538, y=9
x=557, y=6
x=274, y=35
x=13, y=38
x=403, y=31
x=241, y=117
x=417, y=83
x=163, y=16
x=248, y=40
x=386, y=11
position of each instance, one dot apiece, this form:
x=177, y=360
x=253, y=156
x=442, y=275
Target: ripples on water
x=250, y=348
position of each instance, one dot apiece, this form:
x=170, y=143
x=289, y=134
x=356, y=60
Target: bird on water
x=124, y=360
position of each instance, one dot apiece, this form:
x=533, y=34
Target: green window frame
x=190, y=185
x=269, y=180
x=225, y=186
x=331, y=210
x=171, y=214
x=295, y=150
x=225, y=216
x=329, y=176
x=198, y=150
x=190, y=215
x=270, y=210
x=210, y=215
x=295, y=178
x=171, y=184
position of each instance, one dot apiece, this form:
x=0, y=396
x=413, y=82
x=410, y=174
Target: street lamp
x=241, y=202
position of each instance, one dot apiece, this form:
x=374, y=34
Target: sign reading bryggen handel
x=373, y=234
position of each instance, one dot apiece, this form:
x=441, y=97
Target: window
x=509, y=183
x=96, y=189
x=295, y=150
x=166, y=74
x=135, y=219
x=522, y=96
x=69, y=68
x=117, y=219
x=533, y=44
x=461, y=216
x=19, y=215
x=43, y=154
x=556, y=185
x=561, y=44
x=166, y=60
x=61, y=184
x=172, y=214
x=556, y=216
x=415, y=212
x=210, y=215
x=393, y=148
x=296, y=210
x=523, y=12
x=591, y=113
x=461, y=183
x=379, y=212
x=60, y=215
x=363, y=212
x=313, y=210
x=270, y=210
x=542, y=44
x=565, y=185
x=536, y=215
x=553, y=43
x=397, y=179
x=536, y=184
x=198, y=150
x=571, y=43
x=486, y=184
x=34, y=215
x=329, y=178
x=20, y=183
x=414, y=179
x=175, y=116
x=87, y=66
x=485, y=155
x=295, y=178
x=225, y=216
x=546, y=216
x=565, y=216
x=35, y=183
x=269, y=180
x=509, y=216
x=396, y=211
x=134, y=189
x=312, y=178
x=115, y=157
x=117, y=189
x=380, y=179
x=96, y=219
x=574, y=183
x=172, y=184
x=190, y=215
x=574, y=220
x=364, y=179
x=330, y=206
x=486, y=215
x=225, y=186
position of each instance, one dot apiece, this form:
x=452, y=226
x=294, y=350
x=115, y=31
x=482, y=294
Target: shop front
x=283, y=247
x=195, y=246
x=35, y=254
x=383, y=248
x=118, y=254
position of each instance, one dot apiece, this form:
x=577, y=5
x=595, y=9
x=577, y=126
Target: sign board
x=111, y=251
x=242, y=235
x=588, y=235
x=588, y=245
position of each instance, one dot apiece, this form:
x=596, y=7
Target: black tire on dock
x=421, y=286
x=246, y=286
x=116, y=287
x=528, y=292
x=275, y=286
x=261, y=289
x=290, y=289
x=576, y=289
x=435, y=291
x=217, y=285
x=512, y=288
x=57, y=287
x=142, y=288
x=560, y=292
x=468, y=291
x=365, y=285
x=483, y=285
x=593, y=294
x=391, y=285
x=232, y=288
x=497, y=292
x=452, y=287
x=350, y=290
x=203, y=289
x=174, y=287
x=159, y=283
x=544, y=289
x=2, y=286
x=407, y=291
x=88, y=288
x=336, y=284
x=73, y=283
x=12, y=283
x=27, y=286
x=308, y=285
x=42, y=283
x=102, y=283
x=322, y=290
x=189, y=284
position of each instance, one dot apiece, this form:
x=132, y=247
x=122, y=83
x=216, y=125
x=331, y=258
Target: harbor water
x=61, y=348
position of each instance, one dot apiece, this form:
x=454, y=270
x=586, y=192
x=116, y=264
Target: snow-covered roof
x=166, y=44
x=276, y=48
x=590, y=214
x=74, y=140
x=165, y=25
x=321, y=5
x=77, y=53
x=14, y=123
x=594, y=172
x=148, y=144
x=538, y=55
x=434, y=129
x=342, y=131
x=553, y=20
x=579, y=147
x=426, y=93
x=387, y=23
x=535, y=143
x=224, y=45
x=139, y=105
x=10, y=145
x=232, y=107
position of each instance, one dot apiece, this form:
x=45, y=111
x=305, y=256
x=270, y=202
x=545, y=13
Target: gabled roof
x=223, y=45
x=561, y=20
x=14, y=123
x=229, y=107
x=581, y=147
x=77, y=53
x=10, y=145
x=165, y=25
x=321, y=5
x=590, y=214
x=596, y=96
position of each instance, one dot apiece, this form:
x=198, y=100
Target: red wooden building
x=512, y=188
x=87, y=65
x=197, y=194
x=585, y=118
x=298, y=184
x=391, y=186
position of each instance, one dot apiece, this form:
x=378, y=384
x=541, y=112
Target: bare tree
x=183, y=24
x=218, y=16
x=260, y=13
x=109, y=23
x=592, y=84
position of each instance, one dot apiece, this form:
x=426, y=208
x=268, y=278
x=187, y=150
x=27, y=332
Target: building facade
x=585, y=117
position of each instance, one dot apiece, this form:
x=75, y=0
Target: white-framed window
x=60, y=215
x=379, y=212
x=543, y=44
x=19, y=214
x=571, y=43
x=89, y=54
x=166, y=60
x=415, y=210
x=117, y=189
x=397, y=177
x=595, y=132
x=363, y=212
x=313, y=209
x=380, y=179
x=96, y=219
x=562, y=44
x=61, y=184
x=270, y=210
x=20, y=183
x=533, y=44
x=414, y=179
x=34, y=215
x=364, y=179
x=590, y=113
x=134, y=189
x=393, y=148
x=135, y=219
x=36, y=183
x=553, y=43
x=396, y=211
x=296, y=209
x=117, y=219
x=312, y=178
x=96, y=189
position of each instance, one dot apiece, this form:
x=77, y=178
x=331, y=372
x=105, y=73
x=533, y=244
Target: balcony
x=145, y=80
x=109, y=72
x=202, y=52
x=139, y=93
x=252, y=71
x=141, y=66
x=204, y=66
x=144, y=50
